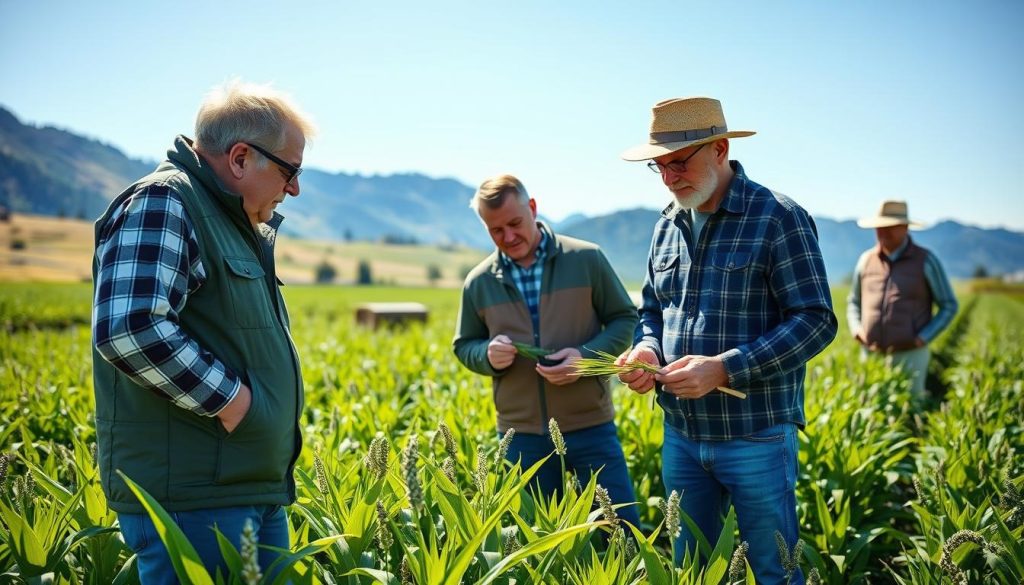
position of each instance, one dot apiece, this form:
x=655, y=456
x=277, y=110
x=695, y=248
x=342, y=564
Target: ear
x=238, y=159
x=721, y=148
x=533, y=207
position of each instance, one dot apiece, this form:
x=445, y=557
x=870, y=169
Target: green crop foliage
x=402, y=478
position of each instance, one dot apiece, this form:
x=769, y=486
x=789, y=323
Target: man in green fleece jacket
x=561, y=294
x=198, y=388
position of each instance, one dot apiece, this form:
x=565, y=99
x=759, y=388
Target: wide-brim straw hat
x=891, y=213
x=681, y=122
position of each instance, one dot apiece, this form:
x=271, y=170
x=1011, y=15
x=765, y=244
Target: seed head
x=448, y=468
x=411, y=474
x=405, y=572
x=919, y=489
x=321, y=475
x=506, y=442
x=670, y=508
x=250, y=557
x=814, y=578
x=5, y=463
x=376, y=459
x=511, y=543
x=449, y=440
x=383, y=537
x=1012, y=502
x=738, y=564
x=605, y=501
x=480, y=477
x=790, y=561
x=630, y=548
x=556, y=437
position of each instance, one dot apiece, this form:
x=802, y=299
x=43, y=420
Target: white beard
x=700, y=194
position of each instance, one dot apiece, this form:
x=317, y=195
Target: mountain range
x=50, y=171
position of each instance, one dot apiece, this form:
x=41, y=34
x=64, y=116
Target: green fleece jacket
x=582, y=304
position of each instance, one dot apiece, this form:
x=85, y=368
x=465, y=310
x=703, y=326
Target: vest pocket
x=258, y=449
x=250, y=296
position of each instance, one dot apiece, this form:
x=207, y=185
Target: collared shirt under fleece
x=528, y=279
x=942, y=292
x=752, y=289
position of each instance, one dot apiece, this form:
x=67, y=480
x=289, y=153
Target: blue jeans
x=756, y=473
x=586, y=451
x=270, y=523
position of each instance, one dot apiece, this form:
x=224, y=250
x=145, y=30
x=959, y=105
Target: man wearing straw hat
x=735, y=297
x=895, y=284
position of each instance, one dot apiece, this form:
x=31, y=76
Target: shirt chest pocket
x=250, y=296
x=731, y=261
x=732, y=278
x=669, y=276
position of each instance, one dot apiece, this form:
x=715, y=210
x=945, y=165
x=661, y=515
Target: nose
x=292, y=187
x=668, y=176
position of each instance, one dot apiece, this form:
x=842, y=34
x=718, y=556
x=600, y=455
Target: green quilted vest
x=187, y=461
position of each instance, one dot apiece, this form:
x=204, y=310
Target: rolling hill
x=53, y=172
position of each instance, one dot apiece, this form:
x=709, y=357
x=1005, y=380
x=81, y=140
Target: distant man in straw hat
x=551, y=291
x=198, y=386
x=735, y=297
x=895, y=285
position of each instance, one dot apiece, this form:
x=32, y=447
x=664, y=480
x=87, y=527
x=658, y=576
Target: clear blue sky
x=853, y=102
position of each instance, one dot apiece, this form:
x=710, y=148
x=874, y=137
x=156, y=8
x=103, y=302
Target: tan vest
x=895, y=299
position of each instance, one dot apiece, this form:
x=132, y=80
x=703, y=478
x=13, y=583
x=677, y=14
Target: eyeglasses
x=292, y=171
x=676, y=166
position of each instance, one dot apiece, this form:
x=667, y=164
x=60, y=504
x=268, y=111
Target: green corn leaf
x=187, y=565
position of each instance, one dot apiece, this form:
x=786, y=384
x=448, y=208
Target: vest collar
x=184, y=155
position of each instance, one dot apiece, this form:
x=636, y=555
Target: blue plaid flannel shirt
x=752, y=290
x=528, y=280
x=148, y=265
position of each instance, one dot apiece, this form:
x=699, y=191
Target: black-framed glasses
x=676, y=166
x=291, y=171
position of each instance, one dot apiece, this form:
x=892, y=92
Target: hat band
x=687, y=135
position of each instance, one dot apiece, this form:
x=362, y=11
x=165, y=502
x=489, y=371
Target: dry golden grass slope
x=48, y=249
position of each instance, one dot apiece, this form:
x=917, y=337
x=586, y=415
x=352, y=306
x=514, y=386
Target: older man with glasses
x=198, y=388
x=735, y=297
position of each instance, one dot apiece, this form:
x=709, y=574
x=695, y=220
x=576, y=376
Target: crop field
x=401, y=478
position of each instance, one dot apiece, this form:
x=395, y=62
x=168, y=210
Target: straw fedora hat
x=891, y=213
x=681, y=122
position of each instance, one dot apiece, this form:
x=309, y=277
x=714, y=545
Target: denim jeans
x=586, y=451
x=756, y=474
x=270, y=523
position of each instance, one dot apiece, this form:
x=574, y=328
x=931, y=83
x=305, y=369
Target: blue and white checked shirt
x=752, y=290
x=528, y=280
x=148, y=265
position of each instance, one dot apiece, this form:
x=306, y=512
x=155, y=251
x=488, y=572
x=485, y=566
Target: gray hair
x=493, y=192
x=247, y=112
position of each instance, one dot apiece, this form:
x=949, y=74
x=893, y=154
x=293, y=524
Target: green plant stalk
x=604, y=365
